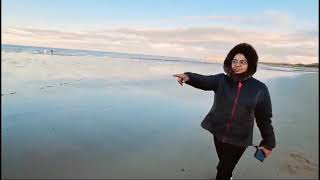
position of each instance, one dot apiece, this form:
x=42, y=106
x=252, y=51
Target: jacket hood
x=251, y=55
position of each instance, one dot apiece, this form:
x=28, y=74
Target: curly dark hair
x=251, y=55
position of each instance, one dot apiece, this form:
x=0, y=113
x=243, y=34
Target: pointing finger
x=177, y=75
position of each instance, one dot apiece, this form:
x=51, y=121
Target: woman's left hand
x=266, y=151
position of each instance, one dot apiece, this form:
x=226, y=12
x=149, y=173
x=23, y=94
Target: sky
x=283, y=31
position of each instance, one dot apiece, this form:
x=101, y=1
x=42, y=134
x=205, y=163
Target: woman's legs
x=229, y=155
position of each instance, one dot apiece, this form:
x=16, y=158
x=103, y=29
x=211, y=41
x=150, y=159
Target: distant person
x=238, y=100
x=51, y=52
x=45, y=51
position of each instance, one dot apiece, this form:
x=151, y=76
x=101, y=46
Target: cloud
x=212, y=42
x=269, y=18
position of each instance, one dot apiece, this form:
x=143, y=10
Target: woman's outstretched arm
x=199, y=81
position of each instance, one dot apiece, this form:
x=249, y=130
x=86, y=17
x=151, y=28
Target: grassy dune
x=313, y=65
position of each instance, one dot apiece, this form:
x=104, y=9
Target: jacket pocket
x=213, y=121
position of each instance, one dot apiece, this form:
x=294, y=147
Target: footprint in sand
x=9, y=93
x=298, y=164
x=48, y=86
x=61, y=84
x=52, y=130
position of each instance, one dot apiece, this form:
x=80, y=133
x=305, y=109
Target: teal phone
x=259, y=155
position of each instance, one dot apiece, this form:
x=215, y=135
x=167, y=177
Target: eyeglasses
x=241, y=62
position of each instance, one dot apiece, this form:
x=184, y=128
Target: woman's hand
x=182, y=78
x=266, y=151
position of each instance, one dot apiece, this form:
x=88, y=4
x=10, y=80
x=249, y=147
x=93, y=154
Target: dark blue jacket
x=236, y=105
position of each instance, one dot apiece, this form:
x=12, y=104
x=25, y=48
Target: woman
x=239, y=99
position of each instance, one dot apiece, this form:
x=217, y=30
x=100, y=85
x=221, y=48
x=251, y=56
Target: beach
x=91, y=115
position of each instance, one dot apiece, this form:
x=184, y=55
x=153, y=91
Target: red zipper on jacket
x=233, y=111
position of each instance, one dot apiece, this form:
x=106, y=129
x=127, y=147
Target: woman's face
x=239, y=64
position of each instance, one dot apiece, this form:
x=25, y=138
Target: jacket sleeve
x=203, y=82
x=263, y=114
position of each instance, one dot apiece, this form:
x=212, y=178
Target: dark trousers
x=229, y=156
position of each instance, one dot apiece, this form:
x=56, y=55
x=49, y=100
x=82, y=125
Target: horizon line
x=103, y=51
